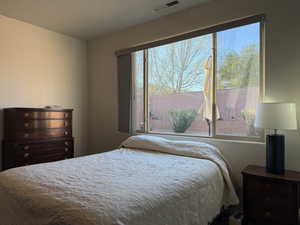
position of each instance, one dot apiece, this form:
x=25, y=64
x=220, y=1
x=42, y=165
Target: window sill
x=186, y=137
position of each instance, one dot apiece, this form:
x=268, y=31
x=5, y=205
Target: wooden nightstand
x=270, y=199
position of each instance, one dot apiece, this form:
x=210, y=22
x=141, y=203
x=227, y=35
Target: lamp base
x=275, y=154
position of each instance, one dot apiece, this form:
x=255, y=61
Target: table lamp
x=275, y=116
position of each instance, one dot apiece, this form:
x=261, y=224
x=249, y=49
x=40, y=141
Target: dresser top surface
x=290, y=176
x=38, y=109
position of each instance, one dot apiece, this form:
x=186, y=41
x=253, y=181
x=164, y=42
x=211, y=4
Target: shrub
x=249, y=117
x=182, y=119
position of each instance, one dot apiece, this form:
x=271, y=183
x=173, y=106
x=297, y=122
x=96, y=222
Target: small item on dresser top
x=53, y=107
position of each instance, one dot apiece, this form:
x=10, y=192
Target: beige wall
x=282, y=69
x=39, y=67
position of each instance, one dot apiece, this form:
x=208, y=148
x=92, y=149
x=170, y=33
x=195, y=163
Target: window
x=208, y=85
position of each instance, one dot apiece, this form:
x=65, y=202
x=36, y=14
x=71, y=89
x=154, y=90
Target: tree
x=178, y=67
x=238, y=70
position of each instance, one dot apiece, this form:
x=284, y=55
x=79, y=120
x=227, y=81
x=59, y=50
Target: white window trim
x=213, y=135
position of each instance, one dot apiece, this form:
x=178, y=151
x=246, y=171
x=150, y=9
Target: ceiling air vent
x=170, y=4
x=167, y=7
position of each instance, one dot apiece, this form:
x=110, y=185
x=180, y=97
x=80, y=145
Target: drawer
x=44, y=124
x=45, y=153
x=278, y=213
x=258, y=188
x=43, y=134
x=40, y=152
x=43, y=159
x=40, y=146
x=269, y=202
x=37, y=149
x=25, y=152
x=35, y=153
x=43, y=115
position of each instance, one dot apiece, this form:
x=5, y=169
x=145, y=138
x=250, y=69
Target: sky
x=237, y=38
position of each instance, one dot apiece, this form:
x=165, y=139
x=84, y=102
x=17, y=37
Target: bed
x=147, y=181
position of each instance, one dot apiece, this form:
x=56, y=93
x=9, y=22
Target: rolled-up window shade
x=124, y=89
x=195, y=33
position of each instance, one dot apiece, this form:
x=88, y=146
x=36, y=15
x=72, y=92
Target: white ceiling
x=87, y=19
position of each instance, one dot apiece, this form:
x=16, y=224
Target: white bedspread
x=121, y=187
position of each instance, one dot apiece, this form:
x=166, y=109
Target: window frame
x=213, y=134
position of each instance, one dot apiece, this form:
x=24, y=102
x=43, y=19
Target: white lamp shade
x=276, y=116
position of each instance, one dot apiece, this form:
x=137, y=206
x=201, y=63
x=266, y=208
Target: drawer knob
x=26, y=155
x=26, y=147
x=26, y=124
x=66, y=132
x=26, y=135
x=66, y=149
x=267, y=201
x=66, y=123
x=26, y=114
x=267, y=187
x=66, y=115
x=268, y=215
x=66, y=143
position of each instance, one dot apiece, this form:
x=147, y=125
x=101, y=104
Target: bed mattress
x=126, y=186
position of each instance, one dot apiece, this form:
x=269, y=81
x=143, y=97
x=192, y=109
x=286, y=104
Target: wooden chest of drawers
x=36, y=135
x=270, y=199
